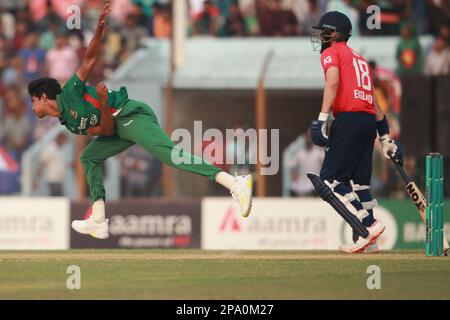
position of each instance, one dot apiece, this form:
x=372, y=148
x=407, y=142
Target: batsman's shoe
x=357, y=247
x=375, y=230
x=99, y=230
x=242, y=193
x=371, y=248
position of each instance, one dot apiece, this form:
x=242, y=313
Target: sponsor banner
x=34, y=223
x=275, y=223
x=146, y=223
x=283, y=224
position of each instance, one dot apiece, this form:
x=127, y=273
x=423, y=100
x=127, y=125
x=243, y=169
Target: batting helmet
x=333, y=21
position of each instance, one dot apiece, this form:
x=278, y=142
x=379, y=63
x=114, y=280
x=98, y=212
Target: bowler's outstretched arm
x=93, y=51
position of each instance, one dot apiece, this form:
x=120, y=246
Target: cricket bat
x=416, y=196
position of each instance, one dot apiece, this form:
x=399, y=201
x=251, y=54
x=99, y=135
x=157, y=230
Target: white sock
x=225, y=179
x=98, y=211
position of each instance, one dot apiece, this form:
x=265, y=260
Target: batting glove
x=392, y=148
x=318, y=130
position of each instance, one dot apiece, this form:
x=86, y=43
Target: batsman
x=118, y=122
x=344, y=180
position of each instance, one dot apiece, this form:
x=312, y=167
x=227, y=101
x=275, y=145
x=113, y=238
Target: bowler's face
x=38, y=106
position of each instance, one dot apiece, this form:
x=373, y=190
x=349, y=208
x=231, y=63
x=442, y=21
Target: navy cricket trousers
x=348, y=153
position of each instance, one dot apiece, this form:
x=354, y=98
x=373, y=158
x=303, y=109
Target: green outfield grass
x=196, y=274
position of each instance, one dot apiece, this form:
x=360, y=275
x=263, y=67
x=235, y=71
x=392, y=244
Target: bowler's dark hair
x=49, y=86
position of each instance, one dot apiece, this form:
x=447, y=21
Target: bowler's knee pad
x=340, y=203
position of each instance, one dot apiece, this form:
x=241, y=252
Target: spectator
x=247, y=7
x=275, y=20
x=205, y=23
x=76, y=41
x=50, y=17
x=47, y=39
x=312, y=17
x=43, y=126
x=54, y=160
x=381, y=95
x=132, y=32
x=12, y=74
x=2, y=107
x=384, y=92
x=5, y=49
x=264, y=14
x=13, y=5
x=438, y=14
x=20, y=35
x=224, y=7
x=62, y=60
x=290, y=27
x=409, y=51
x=4, y=53
x=1, y=130
x=2, y=101
x=195, y=7
x=438, y=59
x=24, y=14
x=143, y=171
x=307, y=159
x=112, y=47
x=90, y=12
x=120, y=10
x=391, y=82
x=9, y=173
x=299, y=8
x=444, y=31
x=33, y=57
x=162, y=21
x=16, y=125
x=234, y=23
x=40, y=9
x=7, y=23
x=146, y=13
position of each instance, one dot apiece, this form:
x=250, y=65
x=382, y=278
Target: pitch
x=197, y=274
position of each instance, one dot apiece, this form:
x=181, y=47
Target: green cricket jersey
x=80, y=107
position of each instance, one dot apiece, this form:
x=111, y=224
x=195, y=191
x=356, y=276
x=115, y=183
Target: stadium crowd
x=35, y=41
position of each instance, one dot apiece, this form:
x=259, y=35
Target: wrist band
x=382, y=127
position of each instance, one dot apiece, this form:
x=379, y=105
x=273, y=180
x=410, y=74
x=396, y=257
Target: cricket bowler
x=344, y=180
x=118, y=122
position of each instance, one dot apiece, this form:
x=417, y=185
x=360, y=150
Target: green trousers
x=136, y=124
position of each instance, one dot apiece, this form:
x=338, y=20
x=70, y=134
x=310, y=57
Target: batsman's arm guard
x=327, y=194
